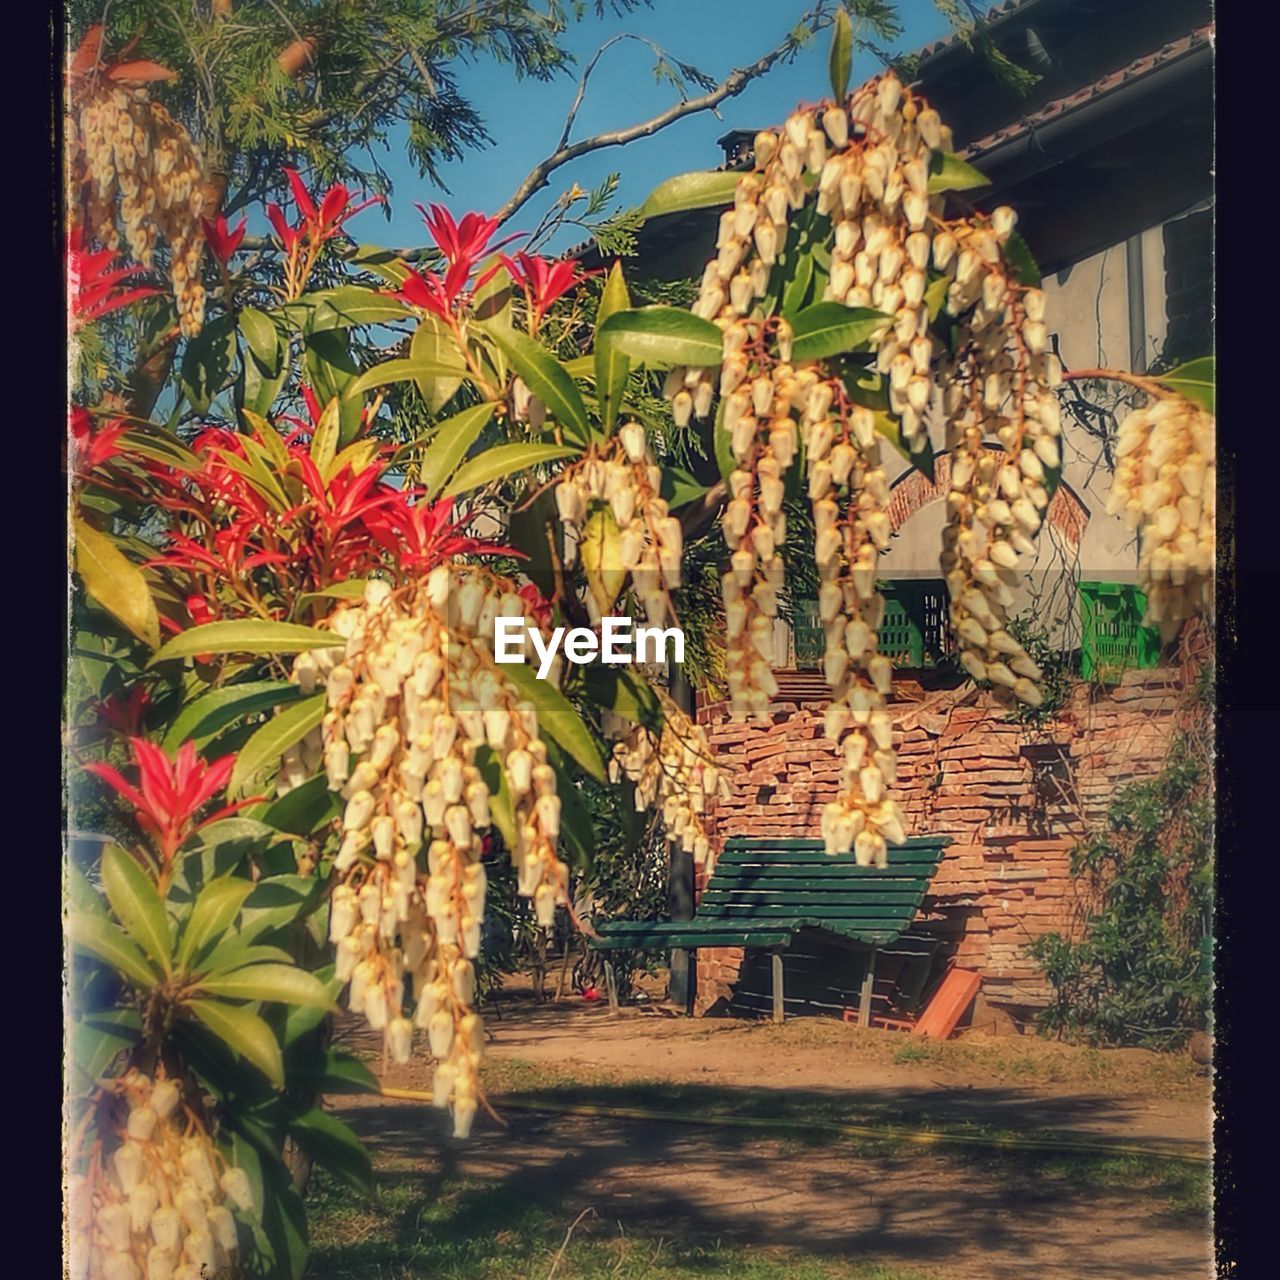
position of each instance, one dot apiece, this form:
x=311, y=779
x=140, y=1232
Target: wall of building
x=964, y=771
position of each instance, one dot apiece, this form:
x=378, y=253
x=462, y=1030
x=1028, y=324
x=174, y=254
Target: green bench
x=769, y=892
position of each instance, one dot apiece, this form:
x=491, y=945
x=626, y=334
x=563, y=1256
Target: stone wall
x=1014, y=800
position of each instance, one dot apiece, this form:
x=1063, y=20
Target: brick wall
x=1013, y=800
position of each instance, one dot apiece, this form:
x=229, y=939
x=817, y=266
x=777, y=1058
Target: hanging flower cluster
x=626, y=479
x=867, y=166
x=1165, y=487
x=131, y=158
x=849, y=493
x=413, y=697
x=159, y=1205
x=673, y=772
x=999, y=382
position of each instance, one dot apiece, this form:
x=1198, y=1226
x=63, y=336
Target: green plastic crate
x=1112, y=637
x=914, y=631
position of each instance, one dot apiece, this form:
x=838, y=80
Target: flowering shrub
x=289, y=608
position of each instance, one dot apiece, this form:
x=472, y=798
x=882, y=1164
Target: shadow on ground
x=453, y=1208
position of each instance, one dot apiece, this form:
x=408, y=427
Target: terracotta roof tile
x=1059, y=107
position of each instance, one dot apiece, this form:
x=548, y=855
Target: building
x=1109, y=163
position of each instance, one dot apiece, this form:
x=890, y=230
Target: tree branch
x=732, y=85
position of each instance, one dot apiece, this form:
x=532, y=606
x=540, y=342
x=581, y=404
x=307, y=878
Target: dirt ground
x=814, y=1192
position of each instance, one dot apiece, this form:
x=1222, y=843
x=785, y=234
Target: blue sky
x=525, y=117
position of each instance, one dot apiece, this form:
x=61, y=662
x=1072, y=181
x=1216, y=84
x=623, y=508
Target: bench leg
x=777, y=987
x=864, y=1002
x=611, y=987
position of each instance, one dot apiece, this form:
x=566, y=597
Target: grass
x=458, y=1229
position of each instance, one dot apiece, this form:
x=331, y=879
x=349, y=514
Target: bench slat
x=816, y=857
x=764, y=891
x=830, y=891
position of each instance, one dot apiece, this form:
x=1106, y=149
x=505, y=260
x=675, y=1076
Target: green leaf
x=350, y=305
x=500, y=807
x=450, y=444
x=557, y=718
x=277, y=902
x=159, y=446
x=625, y=693
x=433, y=344
x=207, y=715
x=116, y=583
x=796, y=290
x=235, y=951
x=546, y=378
x=403, y=370
x=663, y=336
x=840, y=63
x=690, y=191
x=577, y=832
x=491, y=302
x=281, y=983
x=830, y=329
x=348, y=589
x=208, y=361
x=335, y=1146
x=382, y=262
x=216, y=850
x=679, y=488
x=890, y=429
x=284, y=1221
x=244, y=1033
x=1019, y=256
x=245, y=636
x=137, y=905
x=98, y=1037
x=256, y=390
x=722, y=445
x=303, y=809
x=217, y=905
x=332, y=1071
x=80, y=893
x=935, y=297
x=1195, y=380
x=601, y=563
x=263, y=340
x=611, y=364
x=505, y=460
x=263, y=751
x=534, y=530
x=324, y=440
x=947, y=172
x=109, y=943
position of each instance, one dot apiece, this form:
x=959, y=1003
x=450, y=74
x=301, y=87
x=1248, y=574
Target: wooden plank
x=778, y=1013
x=948, y=1005
x=837, y=895
x=772, y=857
x=808, y=842
x=868, y=985
x=786, y=909
x=765, y=872
x=723, y=937
x=611, y=987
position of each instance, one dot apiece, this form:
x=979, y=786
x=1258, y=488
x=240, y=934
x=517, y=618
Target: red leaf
x=140, y=72
x=89, y=52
